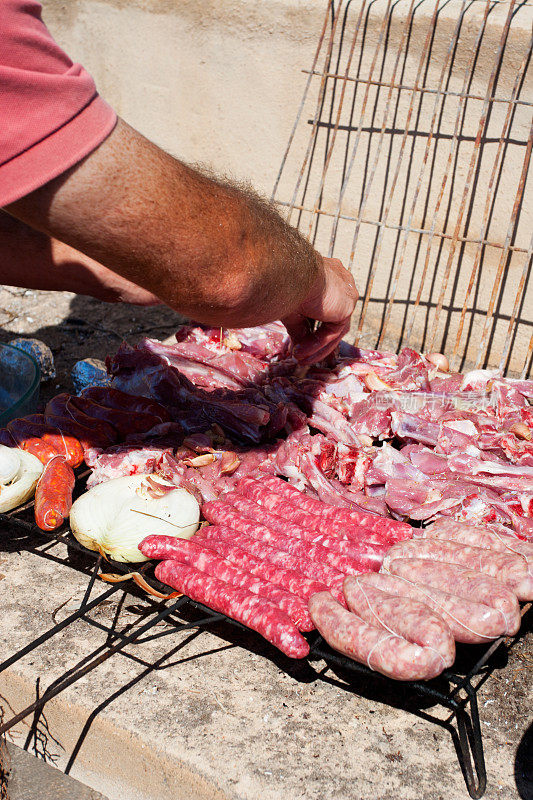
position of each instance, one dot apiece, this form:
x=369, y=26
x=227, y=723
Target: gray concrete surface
x=33, y=779
x=219, y=715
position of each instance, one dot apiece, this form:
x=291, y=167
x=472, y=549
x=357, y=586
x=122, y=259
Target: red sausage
x=204, y=559
x=40, y=449
x=377, y=648
x=221, y=513
x=411, y=619
x=340, y=544
x=289, y=579
x=53, y=494
x=323, y=573
x=391, y=528
x=124, y=422
x=65, y=444
x=288, y=509
x=241, y=605
x=115, y=398
x=470, y=622
x=464, y=583
x=161, y=546
x=509, y=568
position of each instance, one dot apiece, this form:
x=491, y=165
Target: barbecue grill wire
x=454, y=691
x=410, y=160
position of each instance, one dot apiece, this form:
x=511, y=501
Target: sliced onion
x=9, y=464
x=115, y=516
x=19, y=473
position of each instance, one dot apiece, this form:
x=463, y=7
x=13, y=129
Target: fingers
x=316, y=346
x=298, y=327
x=332, y=304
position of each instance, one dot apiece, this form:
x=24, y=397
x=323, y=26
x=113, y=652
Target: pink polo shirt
x=50, y=113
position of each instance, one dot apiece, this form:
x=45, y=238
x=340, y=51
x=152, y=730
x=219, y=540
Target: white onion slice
x=115, y=516
x=19, y=473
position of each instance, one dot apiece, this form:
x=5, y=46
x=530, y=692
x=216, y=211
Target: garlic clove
x=521, y=431
x=440, y=361
x=375, y=384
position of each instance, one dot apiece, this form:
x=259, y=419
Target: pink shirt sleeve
x=51, y=115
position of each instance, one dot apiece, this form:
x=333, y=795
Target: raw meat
x=509, y=568
x=411, y=619
x=239, y=604
x=470, y=622
x=323, y=573
x=461, y=582
x=163, y=547
x=377, y=648
x=204, y=559
x=220, y=513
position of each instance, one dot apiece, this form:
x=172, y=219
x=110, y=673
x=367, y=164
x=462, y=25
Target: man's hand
x=331, y=302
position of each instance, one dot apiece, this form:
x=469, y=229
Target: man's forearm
x=208, y=249
x=32, y=259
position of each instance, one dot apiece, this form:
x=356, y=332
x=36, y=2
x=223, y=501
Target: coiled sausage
x=462, y=582
x=377, y=648
x=408, y=618
x=509, y=568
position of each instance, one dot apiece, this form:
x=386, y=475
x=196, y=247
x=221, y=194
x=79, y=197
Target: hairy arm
x=210, y=250
x=32, y=259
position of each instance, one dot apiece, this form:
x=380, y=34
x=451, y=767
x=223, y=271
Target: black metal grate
x=453, y=691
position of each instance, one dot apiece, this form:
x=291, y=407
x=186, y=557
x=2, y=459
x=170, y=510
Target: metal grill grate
x=455, y=690
x=416, y=130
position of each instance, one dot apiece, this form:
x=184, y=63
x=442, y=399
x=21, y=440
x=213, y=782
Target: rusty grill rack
x=453, y=691
x=416, y=145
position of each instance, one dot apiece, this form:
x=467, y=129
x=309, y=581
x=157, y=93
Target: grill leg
x=470, y=746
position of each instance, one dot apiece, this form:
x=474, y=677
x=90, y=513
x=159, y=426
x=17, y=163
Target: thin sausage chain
x=249, y=552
